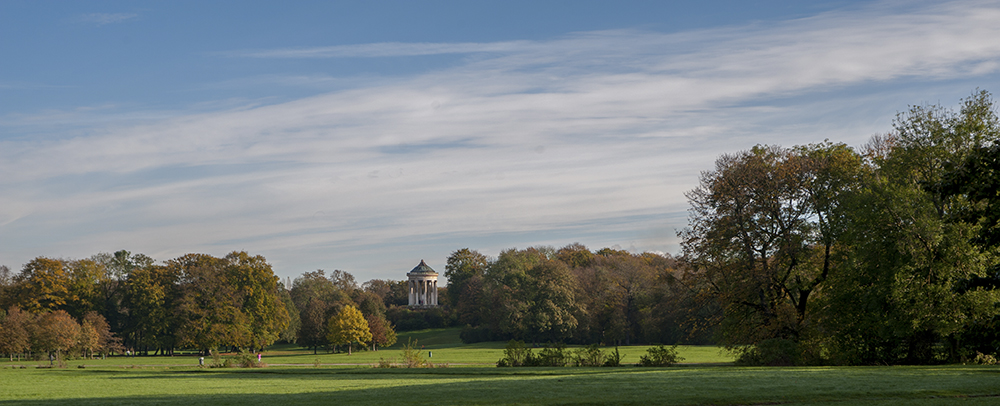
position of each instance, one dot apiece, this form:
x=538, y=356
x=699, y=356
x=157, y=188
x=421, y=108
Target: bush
x=552, y=356
x=516, y=354
x=660, y=356
x=613, y=359
x=984, y=359
x=590, y=356
x=248, y=360
x=771, y=352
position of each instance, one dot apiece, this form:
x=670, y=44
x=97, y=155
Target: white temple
x=423, y=282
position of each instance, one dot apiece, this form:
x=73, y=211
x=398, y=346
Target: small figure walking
x=258, y=357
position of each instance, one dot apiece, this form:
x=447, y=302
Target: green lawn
x=441, y=345
x=480, y=385
x=706, y=378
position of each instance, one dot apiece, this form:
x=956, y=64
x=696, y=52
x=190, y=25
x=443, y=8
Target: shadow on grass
x=447, y=386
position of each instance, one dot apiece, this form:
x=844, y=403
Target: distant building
x=423, y=283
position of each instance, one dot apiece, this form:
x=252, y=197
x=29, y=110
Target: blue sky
x=366, y=136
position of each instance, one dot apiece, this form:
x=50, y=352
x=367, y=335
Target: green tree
x=257, y=287
x=913, y=246
x=462, y=266
x=348, y=327
x=312, y=334
x=149, y=300
x=530, y=295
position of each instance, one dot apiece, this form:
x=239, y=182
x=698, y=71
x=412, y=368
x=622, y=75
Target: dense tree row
x=883, y=255
x=541, y=294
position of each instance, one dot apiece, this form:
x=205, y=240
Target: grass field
x=708, y=380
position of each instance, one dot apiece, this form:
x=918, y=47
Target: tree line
x=112, y=303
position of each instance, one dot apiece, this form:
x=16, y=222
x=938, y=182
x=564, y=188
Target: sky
x=366, y=136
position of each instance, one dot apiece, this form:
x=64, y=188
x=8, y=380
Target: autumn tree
x=393, y=293
x=347, y=327
x=209, y=307
x=54, y=332
x=43, y=284
x=763, y=230
x=383, y=334
x=106, y=341
x=15, y=332
x=257, y=286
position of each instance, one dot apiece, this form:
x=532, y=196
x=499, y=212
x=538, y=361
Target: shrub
x=414, y=358
x=590, y=356
x=660, y=356
x=553, y=355
x=248, y=360
x=613, y=359
x=516, y=354
x=984, y=359
x=771, y=352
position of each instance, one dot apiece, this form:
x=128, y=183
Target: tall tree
x=463, y=265
x=312, y=334
x=150, y=299
x=914, y=248
x=44, y=284
x=530, y=295
x=762, y=234
x=257, y=287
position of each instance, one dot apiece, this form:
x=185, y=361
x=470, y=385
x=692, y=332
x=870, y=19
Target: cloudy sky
x=366, y=136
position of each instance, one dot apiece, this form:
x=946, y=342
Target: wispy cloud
x=106, y=18
x=591, y=137
x=384, y=49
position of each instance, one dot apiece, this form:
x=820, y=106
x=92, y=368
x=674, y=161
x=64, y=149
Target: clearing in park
x=465, y=375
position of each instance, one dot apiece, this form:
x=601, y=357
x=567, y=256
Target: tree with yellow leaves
x=347, y=327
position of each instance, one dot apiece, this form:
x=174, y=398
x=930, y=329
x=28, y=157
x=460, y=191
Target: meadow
x=296, y=376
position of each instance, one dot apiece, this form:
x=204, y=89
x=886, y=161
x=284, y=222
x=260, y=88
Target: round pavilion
x=423, y=286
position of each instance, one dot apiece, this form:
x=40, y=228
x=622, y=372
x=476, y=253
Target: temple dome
x=423, y=269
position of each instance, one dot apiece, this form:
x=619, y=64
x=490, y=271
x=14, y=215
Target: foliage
x=917, y=261
x=413, y=357
x=54, y=332
x=43, y=284
x=763, y=232
x=589, y=356
x=660, y=356
x=382, y=331
x=462, y=266
x=15, y=333
x=348, y=327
